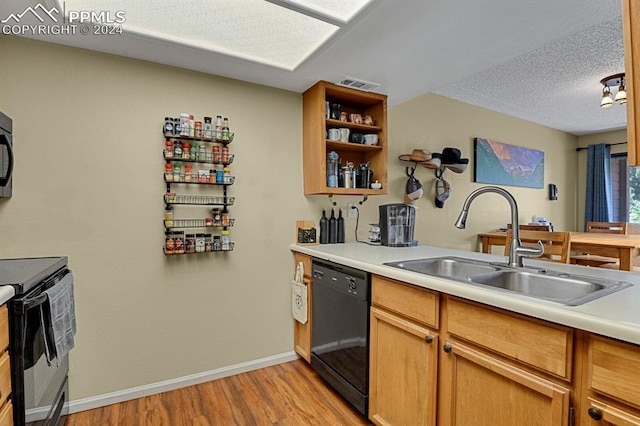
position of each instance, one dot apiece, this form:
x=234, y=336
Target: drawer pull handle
x=447, y=348
x=428, y=338
x=595, y=413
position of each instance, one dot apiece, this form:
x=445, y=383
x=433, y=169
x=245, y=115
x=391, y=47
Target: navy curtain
x=598, y=205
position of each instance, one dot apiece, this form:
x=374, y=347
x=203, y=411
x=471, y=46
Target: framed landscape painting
x=503, y=164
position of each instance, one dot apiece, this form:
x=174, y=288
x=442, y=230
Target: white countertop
x=616, y=315
x=6, y=293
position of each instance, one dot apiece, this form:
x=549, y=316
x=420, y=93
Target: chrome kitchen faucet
x=516, y=250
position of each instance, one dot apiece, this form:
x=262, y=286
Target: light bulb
x=606, y=98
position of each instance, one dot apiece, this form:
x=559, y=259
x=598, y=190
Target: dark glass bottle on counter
x=340, y=238
x=333, y=228
x=324, y=228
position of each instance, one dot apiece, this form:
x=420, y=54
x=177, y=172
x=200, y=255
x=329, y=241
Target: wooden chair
x=557, y=245
x=607, y=227
x=595, y=260
x=633, y=228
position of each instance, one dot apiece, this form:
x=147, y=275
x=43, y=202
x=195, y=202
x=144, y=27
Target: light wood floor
x=285, y=394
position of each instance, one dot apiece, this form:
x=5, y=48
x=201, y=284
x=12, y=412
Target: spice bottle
x=225, y=129
x=226, y=241
x=168, y=243
x=207, y=130
x=199, y=243
x=192, y=125
x=176, y=172
x=208, y=242
x=226, y=175
x=216, y=154
x=190, y=243
x=188, y=172
x=225, y=155
x=168, y=172
x=176, y=127
x=168, y=218
x=168, y=149
x=186, y=150
x=217, y=244
x=168, y=126
x=219, y=127
x=202, y=153
x=193, y=152
x=184, y=124
x=198, y=130
x=178, y=242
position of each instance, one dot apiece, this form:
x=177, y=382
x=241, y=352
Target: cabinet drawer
x=545, y=346
x=306, y=261
x=6, y=415
x=4, y=328
x=614, y=369
x=5, y=377
x=412, y=302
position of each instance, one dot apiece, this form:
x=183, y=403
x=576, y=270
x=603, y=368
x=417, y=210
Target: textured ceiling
x=540, y=60
x=557, y=85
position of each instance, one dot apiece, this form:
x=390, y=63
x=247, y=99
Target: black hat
x=451, y=159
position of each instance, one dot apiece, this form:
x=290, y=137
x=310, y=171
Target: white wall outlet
x=351, y=209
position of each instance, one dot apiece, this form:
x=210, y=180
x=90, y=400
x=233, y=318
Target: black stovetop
x=25, y=273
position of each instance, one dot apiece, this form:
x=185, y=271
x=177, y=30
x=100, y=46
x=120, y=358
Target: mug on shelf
x=334, y=134
x=355, y=118
x=371, y=139
x=344, y=134
x=368, y=120
x=356, y=138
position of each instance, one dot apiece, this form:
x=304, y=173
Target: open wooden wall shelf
x=316, y=146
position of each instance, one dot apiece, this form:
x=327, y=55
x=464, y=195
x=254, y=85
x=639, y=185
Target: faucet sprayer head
x=461, y=222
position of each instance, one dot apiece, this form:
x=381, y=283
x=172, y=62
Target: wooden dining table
x=624, y=247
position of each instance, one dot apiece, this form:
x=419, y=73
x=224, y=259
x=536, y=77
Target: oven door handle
x=35, y=301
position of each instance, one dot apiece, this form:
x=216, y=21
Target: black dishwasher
x=340, y=330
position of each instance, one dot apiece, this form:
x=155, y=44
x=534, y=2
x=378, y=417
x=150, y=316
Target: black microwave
x=6, y=156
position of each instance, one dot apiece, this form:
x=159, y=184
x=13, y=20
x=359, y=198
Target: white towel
x=63, y=316
x=299, y=295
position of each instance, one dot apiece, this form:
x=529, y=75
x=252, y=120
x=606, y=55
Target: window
x=625, y=183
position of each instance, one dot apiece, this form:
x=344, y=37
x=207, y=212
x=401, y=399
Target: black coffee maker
x=396, y=224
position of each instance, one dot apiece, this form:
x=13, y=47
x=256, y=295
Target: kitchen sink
x=562, y=288
x=567, y=289
x=448, y=267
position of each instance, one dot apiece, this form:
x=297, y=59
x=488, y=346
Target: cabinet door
x=631, y=31
x=403, y=371
x=302, y=332
x=478, y=389
x=601, y=414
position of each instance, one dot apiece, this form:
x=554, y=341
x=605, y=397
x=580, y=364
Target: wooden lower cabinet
x=612, y=385
x=302, y=332
x=603, y=414
x=478, y=389
x=403, y=371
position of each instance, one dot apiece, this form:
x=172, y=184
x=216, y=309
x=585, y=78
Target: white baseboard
x=177, y=383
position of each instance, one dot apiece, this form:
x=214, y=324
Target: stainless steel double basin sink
x=567, y=289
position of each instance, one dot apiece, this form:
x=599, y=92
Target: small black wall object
x=553, y=192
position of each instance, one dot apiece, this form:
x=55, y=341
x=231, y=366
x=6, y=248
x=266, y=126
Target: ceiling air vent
x=357, y=84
